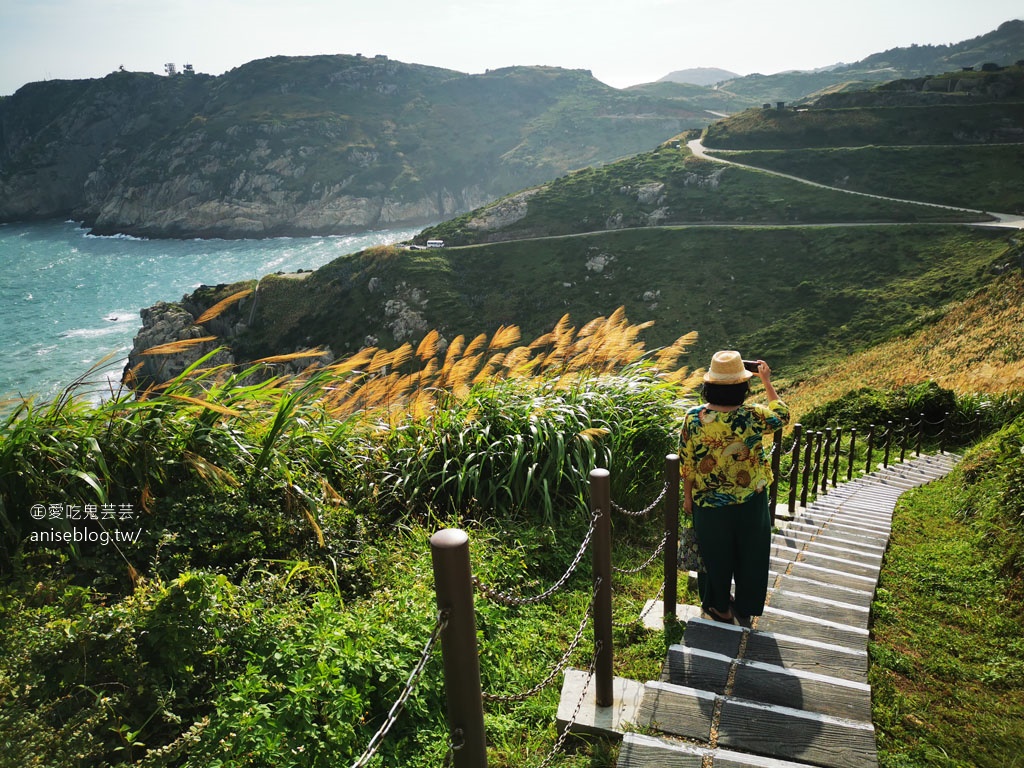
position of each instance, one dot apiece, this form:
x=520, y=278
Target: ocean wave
x=118, y=236
x=122, y=316
x=92, y=333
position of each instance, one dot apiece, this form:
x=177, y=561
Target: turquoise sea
x=68, y=299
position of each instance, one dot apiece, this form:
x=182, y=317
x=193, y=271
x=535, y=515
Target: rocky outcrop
x=165, y=325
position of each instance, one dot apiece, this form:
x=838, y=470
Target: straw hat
x=727, y=368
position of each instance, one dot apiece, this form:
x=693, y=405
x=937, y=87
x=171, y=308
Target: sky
x=622, y=42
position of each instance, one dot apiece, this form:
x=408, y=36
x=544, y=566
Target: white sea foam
x=75, y=297
x=90, y=333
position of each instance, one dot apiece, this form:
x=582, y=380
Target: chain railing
x=403, y=697
x=510, y=599
x=820, y=459
x=560, y=666
x=815, y=460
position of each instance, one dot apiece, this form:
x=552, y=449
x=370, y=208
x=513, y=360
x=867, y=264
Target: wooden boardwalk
x=792, y=690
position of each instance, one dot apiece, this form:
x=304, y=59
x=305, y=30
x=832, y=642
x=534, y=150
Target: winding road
x=1002, y=220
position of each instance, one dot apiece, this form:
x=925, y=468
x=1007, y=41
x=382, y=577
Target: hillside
x=972, y=345
x=747, y=259
x=308, y=145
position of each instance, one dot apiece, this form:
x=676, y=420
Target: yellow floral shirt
x=723, y=452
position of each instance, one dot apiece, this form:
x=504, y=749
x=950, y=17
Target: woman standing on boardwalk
x=726, y=476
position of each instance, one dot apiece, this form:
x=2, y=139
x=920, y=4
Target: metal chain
x=647, y=510
x=643, y=614
x=558, y=667
x=576, y=712
x=508, y=599
x=654, y=602
x=410, y=683
x=651, y=559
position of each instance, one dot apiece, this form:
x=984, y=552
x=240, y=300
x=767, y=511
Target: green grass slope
x=788, y=294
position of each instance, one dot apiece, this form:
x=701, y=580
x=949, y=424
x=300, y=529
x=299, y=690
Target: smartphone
x=751, y=365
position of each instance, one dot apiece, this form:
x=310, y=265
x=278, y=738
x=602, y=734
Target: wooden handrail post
x=773, y=496
x=600, y=501
x=920, y=434
x=794, y=469
x=944, y=434
x=853, y=452
x=838, y=454
x=808, y=452
x=906, y=438
x=888, y=443
x=453, y=583
x=827, y=465
x=817, y=460
x=671, y=535
x=871, y=448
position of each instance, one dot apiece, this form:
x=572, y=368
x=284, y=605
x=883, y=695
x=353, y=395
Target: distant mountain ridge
x=308, y=145
x=699, y=76
x=333, y=144
x=1002, y=46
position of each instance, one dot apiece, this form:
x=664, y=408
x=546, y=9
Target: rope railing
x=815, y=460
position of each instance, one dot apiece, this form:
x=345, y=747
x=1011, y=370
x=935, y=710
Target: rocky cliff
x=307, y=145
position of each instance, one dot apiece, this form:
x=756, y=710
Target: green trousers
x=735, y=542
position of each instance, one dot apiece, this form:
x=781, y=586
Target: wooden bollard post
x=817, y=461
x=808, y=453
x=601, y=500
x=906, y=439
x=871, y=448
x=888, y=443
x=773, y=496
x=453, y=582
x=920, y=435
x=853, y=452
x=838, y=454
x=671, y=535
x=794, y=468
x=826, y=467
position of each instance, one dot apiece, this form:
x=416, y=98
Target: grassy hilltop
x=270, y=591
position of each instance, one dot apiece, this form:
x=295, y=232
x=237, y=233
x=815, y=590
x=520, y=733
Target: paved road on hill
x=1003, y=220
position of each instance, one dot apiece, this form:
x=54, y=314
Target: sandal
x=726, y=617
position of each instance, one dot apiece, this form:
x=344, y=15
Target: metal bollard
x=601, y=499
x=453, y=582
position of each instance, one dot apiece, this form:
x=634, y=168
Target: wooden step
x=787, y=651
x=825, y=574
x=838, y=592
x=796, y=735
x=763, y=729
x=769, y=683
x=847, y=534
x=812, y=628
x=796, y=534
x=641, y=751
x=828, y=547
x=820, y=607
